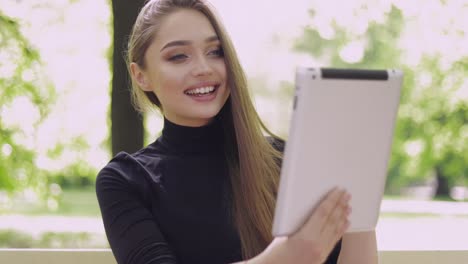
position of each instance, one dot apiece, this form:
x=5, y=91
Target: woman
x=204, y=192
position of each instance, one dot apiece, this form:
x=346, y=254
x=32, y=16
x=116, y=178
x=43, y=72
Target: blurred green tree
x=431, y=135
x=23, y=87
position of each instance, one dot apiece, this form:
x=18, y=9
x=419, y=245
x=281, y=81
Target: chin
x=206, y=116
x=207, y=111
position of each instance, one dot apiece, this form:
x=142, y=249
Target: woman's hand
x=314, y=241
x=327, y=224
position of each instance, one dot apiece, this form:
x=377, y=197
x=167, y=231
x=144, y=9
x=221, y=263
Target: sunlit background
x=55, y=105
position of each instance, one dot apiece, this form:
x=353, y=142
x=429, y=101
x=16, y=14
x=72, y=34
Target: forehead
x=184, y=24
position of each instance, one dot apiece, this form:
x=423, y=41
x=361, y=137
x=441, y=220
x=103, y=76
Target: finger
x=333, y=229
x=347, y=223
x=319, y=216
x=338, y=234
x=336, y=223
x=326, y=207
x=340, y=207
x=342, y=228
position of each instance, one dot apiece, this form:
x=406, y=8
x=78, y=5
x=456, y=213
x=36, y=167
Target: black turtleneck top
x=169, y=202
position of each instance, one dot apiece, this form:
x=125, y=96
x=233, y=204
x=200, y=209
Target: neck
x=193, y=122
x=190, y=140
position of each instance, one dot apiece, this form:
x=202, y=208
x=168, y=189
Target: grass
x=73, y=202
x=408, y=215
x=83, y=202
x=443, y=199
x=79, y=202
x=18, y=239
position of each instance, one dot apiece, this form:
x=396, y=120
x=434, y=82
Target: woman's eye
x=177, y=57
x=217, y=52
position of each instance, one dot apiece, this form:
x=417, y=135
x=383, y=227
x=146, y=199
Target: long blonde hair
x=252, y=160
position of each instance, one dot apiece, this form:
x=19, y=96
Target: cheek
x=169, y=82
x=221, y=69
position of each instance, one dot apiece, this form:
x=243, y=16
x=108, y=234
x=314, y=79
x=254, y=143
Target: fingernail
x=345, y=226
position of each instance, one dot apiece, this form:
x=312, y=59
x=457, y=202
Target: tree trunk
x=443, y=189
x=127, y=130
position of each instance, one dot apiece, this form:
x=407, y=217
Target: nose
x=202, y=67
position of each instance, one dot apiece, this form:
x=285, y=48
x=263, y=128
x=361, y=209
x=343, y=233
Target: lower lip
x=205, y=98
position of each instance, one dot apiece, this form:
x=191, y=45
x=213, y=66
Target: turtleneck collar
x=180, y=139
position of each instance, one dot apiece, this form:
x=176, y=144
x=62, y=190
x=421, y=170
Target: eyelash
x=177, y=57
x=219, y=53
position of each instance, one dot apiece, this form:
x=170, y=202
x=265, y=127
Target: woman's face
x=185, y=69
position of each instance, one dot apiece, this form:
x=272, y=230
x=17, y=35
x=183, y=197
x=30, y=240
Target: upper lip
x=202, y=84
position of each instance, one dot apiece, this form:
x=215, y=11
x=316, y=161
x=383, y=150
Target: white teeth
x=201, y=90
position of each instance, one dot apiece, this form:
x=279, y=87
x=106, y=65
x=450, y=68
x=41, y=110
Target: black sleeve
x=131, y=229
x=333, y=257
x=277, y=143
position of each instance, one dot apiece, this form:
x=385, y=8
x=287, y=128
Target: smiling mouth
x=202, y=91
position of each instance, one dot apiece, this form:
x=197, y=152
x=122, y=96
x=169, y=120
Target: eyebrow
x=187, y=42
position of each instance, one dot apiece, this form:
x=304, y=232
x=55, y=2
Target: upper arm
x=360, y=247
x=131, y=229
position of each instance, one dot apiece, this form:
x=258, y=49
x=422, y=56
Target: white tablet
x=340, y=135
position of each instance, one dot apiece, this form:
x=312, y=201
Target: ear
x=139, y=75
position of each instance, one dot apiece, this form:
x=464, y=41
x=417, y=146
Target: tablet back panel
x=340, y=135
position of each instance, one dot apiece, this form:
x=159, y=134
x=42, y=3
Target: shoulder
x=129, y=169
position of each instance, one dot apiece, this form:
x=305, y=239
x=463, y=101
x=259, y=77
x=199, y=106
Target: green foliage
x=77, y=174
x=14, y=239
x=381, y=47
x=380, y=42
x=71, y=202
x=21, y=84
x=17, y=239
x=432, y=126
